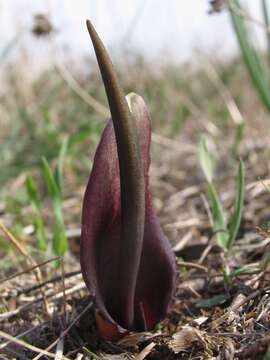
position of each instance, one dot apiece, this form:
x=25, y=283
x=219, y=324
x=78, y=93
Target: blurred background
x=152, y=28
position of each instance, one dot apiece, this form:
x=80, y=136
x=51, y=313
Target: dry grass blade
x=252, y=296
x=64, y=292
x=146, y=351
x=64, y=333
x=28, y=346
x=192, y=265
x=52, y=296
x=76, y=87
x=225, y=94
x=32, y=262
x=49, y=281
x=16, y=244
x=25, y=333
x=28, y=270
x=59, y=350
x=172, y=144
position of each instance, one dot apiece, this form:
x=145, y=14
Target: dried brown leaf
x=185, y=338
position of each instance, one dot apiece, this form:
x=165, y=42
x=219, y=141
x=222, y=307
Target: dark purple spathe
x=127, y=262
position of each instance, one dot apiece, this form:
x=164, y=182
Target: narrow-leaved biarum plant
x=126, y=260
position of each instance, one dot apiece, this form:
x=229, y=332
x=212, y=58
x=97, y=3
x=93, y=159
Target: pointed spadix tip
x=88, y=24
x=90, y=28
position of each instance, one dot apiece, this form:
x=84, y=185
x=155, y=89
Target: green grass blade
x=238, y=137
x=206, y=159
x=218, y=219
x=60, y=163
x=249, y=53
x=246, y=269
x=51, y=183
x=40, y=232
x=60, y=244
x=238, y=206
x=267, y=25
x=37, y=217
x=257, y=72
x=33, y=192
x=217, y=215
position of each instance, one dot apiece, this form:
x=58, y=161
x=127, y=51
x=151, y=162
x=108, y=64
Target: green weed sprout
x=59, y=237
x=54, y=184
x=225, y=233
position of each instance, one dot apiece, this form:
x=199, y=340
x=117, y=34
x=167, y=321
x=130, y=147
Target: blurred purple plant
x=126, y=260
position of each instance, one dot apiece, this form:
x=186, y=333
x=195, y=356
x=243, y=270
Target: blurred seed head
x=216, y=6
x=42, y=25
